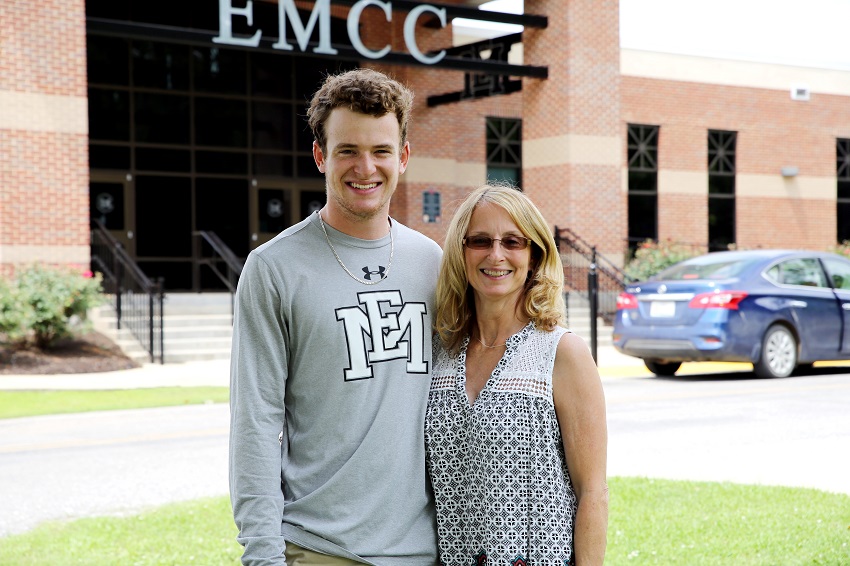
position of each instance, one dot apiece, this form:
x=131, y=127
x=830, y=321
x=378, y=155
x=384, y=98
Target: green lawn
x=651, y=522
x=32, y=403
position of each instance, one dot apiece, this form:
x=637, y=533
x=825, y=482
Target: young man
x=331, y=358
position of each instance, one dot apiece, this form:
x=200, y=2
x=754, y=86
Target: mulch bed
x=91, y=352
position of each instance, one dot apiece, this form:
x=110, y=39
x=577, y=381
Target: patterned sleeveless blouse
x=500, y=479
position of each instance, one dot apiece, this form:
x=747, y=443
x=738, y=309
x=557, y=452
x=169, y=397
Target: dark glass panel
x=843, y=221
x=177, y=275
x=160, y=65
x=721, y=223
x=162, y=12
x=309, y=74
x=307, y=167
x=106, y=203
x=503, y=174
x=271, y=75
x=109, y=115
x=271, y=126
x=221, y=122
x=163, y=216
x=108, y=60
x=154, y=159
x=277, y=165
x=162, y=118
x=721, y=185
x=843, y=189
x=219, y=70
x=311, y=201
x=643, y=218
x=222, y=207
x=221, y=162
x=109, y=157
x=303, y=133
x=643, y=182
x=108, y=9
x=274, y=209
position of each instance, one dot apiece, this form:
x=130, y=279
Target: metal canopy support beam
x=204, y=37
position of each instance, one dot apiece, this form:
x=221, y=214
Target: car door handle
x=798, y=304
x=846, y=306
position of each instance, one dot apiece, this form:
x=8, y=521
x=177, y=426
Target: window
x=643, y=184
x=839, y=273
x=721, y=189
x=430, y=206
x=504, y=150
x=842, y=150
x=802, y=271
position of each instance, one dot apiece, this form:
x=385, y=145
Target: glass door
x=111, y=198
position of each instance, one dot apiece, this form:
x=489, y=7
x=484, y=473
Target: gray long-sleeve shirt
x=342, y=369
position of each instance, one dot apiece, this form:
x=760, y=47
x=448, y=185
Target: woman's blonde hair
x=543, y=300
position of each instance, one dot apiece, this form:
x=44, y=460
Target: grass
x=33, y=403
x=651, y=522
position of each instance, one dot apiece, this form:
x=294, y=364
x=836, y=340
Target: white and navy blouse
x=497, y=466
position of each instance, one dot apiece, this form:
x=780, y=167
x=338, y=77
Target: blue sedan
x=780, y=310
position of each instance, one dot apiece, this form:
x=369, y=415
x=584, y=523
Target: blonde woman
x=515, y=432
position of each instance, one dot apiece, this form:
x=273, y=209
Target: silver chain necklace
x=339, y=260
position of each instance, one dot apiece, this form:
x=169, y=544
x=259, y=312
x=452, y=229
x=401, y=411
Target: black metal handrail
x=220, y=260
x=138, y=301
x=580, y=259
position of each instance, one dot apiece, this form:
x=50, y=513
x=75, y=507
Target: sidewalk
x=217, y=373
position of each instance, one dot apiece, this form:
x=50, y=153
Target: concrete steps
x=196, y=326
x=578, y=320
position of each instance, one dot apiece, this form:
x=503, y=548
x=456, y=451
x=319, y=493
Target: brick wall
x=43, y=134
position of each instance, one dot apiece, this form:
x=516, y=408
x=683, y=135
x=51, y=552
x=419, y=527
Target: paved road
x=68, y=466
x=793, y=431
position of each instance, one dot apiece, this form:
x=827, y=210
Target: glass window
x=160, y=65
x=705, y=267
x=107, y=60
x=273, y=165
x=222, y=207
x=839, y=273
x=504, y=149
x=842, y=169
x=221, y=122
x=271, y=75
x=154, y=159
x=221, y=162
x=161, y=118
x=109, y=115
x=307, y=167
x=430, y=206
x=275, y=210
x=799, y=271
x=163, y=216
x=271, y=126
x=219, y=70
x=106, y=202
x=109, y=157
x=722, y=148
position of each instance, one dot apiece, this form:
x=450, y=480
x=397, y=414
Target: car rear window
x=705, y=268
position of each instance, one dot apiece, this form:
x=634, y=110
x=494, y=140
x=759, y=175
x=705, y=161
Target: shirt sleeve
x=258, y=373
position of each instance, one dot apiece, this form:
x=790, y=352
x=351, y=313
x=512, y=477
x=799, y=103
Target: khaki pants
x=298, y=556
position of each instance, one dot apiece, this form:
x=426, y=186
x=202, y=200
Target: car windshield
x=705, y=268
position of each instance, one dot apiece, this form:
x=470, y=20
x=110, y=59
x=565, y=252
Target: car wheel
x=665, y=369
x=778, y=353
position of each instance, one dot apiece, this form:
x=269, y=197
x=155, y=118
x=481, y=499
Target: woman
x=515, y=430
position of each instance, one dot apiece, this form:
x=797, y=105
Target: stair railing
x=208, y=250
x=581, y=261
x=136, y=299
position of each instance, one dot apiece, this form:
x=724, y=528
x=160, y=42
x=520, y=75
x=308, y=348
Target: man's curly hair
x=360, y=90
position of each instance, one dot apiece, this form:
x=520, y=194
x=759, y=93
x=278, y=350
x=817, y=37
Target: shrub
x=13, y=318
x=843, y=249
x=51, y=302
x=652, y=257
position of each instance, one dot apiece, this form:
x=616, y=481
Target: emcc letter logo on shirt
x=396, y=330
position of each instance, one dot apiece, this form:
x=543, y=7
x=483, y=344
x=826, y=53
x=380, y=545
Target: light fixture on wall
x=790, y=171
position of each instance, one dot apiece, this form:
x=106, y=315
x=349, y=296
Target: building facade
x=156, y=124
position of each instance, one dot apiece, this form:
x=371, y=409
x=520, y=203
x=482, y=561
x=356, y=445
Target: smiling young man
x=331, y=360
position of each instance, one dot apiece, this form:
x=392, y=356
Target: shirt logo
x=368, y=274
x=381, y=329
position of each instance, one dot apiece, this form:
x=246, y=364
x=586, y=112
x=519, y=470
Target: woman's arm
x=580, y=407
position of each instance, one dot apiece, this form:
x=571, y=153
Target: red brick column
x=573, y=152
x=44, y=195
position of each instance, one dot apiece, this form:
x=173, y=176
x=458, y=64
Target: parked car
x=781, y=310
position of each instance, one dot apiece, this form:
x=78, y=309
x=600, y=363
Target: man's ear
x=404, y=157
x=318, y=156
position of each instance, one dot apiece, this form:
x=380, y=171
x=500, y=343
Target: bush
x=43, y=305
x=843, y=249
x=652, y=257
